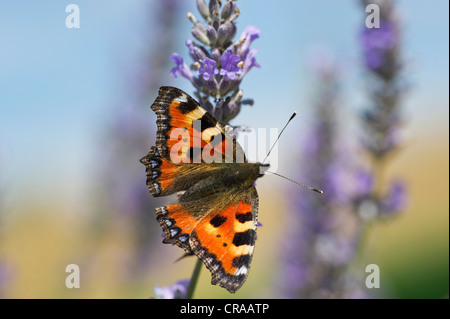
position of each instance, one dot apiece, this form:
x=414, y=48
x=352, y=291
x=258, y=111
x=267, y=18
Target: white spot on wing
x=182, y=98
x=156, y=186
x=241, y=271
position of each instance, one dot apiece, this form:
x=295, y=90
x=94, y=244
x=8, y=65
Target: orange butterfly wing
x=223, y=238
x=187, y=136
x=187, y=133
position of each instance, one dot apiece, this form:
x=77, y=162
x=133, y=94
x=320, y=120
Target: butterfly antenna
x=290, y=119
x=295, y=182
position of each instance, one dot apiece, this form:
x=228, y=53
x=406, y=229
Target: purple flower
x=364, y=183
x=208, y=69
x=195, y=51
x=202, y=7
x=396, y=199
x=176, y=291
x=250, y=34
x=383, y=38
x=225, y=33
x=320, y=245
x=232, y=106
x=127, y=133
x=250, y=61
x=181, y=68
x=376, y=43
x=229, y=10
x=335, y=178
x=229, y=65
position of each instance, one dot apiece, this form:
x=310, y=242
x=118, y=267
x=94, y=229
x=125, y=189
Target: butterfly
x=215, y=216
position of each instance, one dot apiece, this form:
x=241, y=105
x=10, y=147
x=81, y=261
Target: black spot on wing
x=242, y=218
x=207, y=121
x=217, y=221
x=187, y=107
x=244, y=238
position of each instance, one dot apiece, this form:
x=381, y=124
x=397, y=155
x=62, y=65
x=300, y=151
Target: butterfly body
x=215, y=216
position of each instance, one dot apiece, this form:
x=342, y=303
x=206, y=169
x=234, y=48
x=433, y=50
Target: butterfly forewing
x=187, y=133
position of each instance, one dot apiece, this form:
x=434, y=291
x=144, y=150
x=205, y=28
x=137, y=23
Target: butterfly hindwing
x=177, y=225
x=225, y=240
x=223, y=237
x=160, y=173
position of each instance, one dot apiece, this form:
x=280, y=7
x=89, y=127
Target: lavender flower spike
x=221, y=62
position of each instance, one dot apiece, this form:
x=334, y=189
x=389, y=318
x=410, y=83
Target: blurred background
x=75, y=119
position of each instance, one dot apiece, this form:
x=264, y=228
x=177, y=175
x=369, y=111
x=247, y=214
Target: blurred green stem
x=194, y=279
x=378, y=171
x=362, y=242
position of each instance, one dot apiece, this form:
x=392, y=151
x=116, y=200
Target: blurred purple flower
x=208, y=69
x=395, y=200
x=120, y=194
x=319, y=246
x=382, y=119
x=376, y=42
x=176, y=291
x=364, y=183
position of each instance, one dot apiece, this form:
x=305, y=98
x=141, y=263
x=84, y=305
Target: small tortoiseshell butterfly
x=215, y=217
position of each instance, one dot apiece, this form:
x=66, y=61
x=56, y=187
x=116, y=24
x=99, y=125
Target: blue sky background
x=58, y=85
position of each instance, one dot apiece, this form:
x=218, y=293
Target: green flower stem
x=194, y=279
